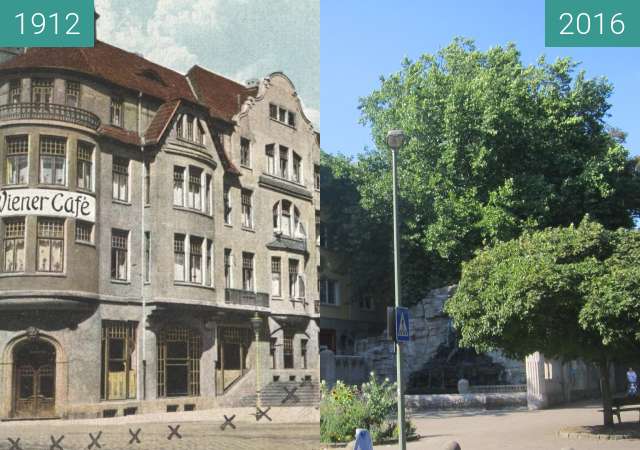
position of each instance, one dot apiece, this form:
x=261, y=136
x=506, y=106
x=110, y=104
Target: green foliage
x=344, y=408
x=569, y=292
x=495, y=148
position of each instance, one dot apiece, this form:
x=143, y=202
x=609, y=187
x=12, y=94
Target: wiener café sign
x=44, y=202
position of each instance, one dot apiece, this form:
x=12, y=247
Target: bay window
x=16, y=160
x=13, y=245
x=50, y=249
x=53, y=160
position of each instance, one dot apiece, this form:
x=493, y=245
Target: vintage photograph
x=159, y=206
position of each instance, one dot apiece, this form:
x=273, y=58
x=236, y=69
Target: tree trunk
x=605, y=387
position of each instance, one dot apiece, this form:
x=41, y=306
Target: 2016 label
x=582, y=24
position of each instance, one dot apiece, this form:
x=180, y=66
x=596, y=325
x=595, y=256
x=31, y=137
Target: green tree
x=568, y=292
x=495, y=148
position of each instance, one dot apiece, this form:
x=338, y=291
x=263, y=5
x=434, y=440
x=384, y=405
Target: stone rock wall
x=430, y=329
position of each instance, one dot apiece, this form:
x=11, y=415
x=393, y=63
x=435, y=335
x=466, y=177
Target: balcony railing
x=246, y=298
x=51, y=111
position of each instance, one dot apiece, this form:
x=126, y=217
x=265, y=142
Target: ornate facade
x=151, y=223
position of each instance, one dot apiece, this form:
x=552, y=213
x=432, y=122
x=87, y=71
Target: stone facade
x=145, y=302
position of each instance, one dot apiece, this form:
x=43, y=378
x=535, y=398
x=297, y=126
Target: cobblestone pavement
x=521, y=429
x=197, y=435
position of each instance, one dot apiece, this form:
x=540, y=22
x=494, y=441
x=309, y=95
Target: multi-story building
x=158, y=249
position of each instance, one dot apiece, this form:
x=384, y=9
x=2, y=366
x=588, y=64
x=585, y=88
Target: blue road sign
x=402, y=324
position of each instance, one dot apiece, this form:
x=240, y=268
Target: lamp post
x=256, y=324
x=395, y=139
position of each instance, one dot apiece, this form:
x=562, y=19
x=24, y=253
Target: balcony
x=51, y=111
x=246, y=298
x=287, y=243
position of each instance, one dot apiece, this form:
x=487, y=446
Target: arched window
x=286, y=220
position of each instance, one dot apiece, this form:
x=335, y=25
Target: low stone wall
x=418, y=403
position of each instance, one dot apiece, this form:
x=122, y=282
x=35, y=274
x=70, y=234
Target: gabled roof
x=161, y=122
x=109, y=63
x=223, y=97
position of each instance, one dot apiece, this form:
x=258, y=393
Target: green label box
x=592, y=23
x=47, y=23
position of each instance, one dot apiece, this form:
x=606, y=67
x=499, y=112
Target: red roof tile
x=119, y=134
x=161, y=121
x=112, y=64
x=222, y=96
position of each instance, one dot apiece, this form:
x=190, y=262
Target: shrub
x=345, y=408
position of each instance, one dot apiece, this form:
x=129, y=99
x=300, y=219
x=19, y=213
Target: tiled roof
x=119, y=134
x=161, y=121
x=112, y=64
x=222, y=96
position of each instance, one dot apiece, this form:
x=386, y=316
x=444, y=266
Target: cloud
x=162, y=36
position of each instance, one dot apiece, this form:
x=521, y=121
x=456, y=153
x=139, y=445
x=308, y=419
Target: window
x=147, y=256
x=120, y=179
x=17, y=160
x=72, y=93
x=247, y=214
x=117, y=116
x=227, y=204
x=316, y=176
x=207, y=195
x=282, y=115
x=366, y=303
x=200, y=135
x=269, y=151
x=179, y=257
x=50, y=245
x=85, y=166
x=180, y=127
x=84, y=232
x=13, y=245
x=195, y=260
x=41, y=91
x=194, y=196
x=147, y=183
x=303, y=352
x=329, y=292
x=245, y=152
x=119, y=257
x=190, y=120
x=15, y=91
x=297, y=168
x=291, y=119
x=276, y=277
x=178, y=186
x=318, y=227
x=247, y=271
x=228, y=281
x=273, y=111
x=53, y=160
x=282, y=223
x=118, y=374
x=293, y=278
x=284, y=162
x=209, y=264
x=288, y=349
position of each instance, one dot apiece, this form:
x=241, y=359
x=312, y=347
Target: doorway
x=34, y=379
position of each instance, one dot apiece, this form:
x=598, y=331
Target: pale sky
x=240, y=39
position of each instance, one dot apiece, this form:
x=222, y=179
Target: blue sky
x=362, y=40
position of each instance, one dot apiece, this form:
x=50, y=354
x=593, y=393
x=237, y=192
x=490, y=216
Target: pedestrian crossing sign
x=402, y=324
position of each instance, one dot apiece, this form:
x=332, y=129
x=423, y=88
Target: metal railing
x=246, y=298
x=51, y=111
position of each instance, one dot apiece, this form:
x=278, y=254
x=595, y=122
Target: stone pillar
x=151, y=364
x=208, y=362
x=536, y=384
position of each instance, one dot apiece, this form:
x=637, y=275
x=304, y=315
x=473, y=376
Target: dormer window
x=152, y=75
x=41, y=91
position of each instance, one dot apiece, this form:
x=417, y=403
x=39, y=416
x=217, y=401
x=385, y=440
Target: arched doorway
x=34, y=368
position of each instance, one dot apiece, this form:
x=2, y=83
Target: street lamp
x=395, y=139
x=256, y=324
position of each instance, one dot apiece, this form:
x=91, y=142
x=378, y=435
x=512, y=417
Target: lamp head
x=395, y=139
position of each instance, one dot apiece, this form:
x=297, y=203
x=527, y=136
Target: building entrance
x=34, y=379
